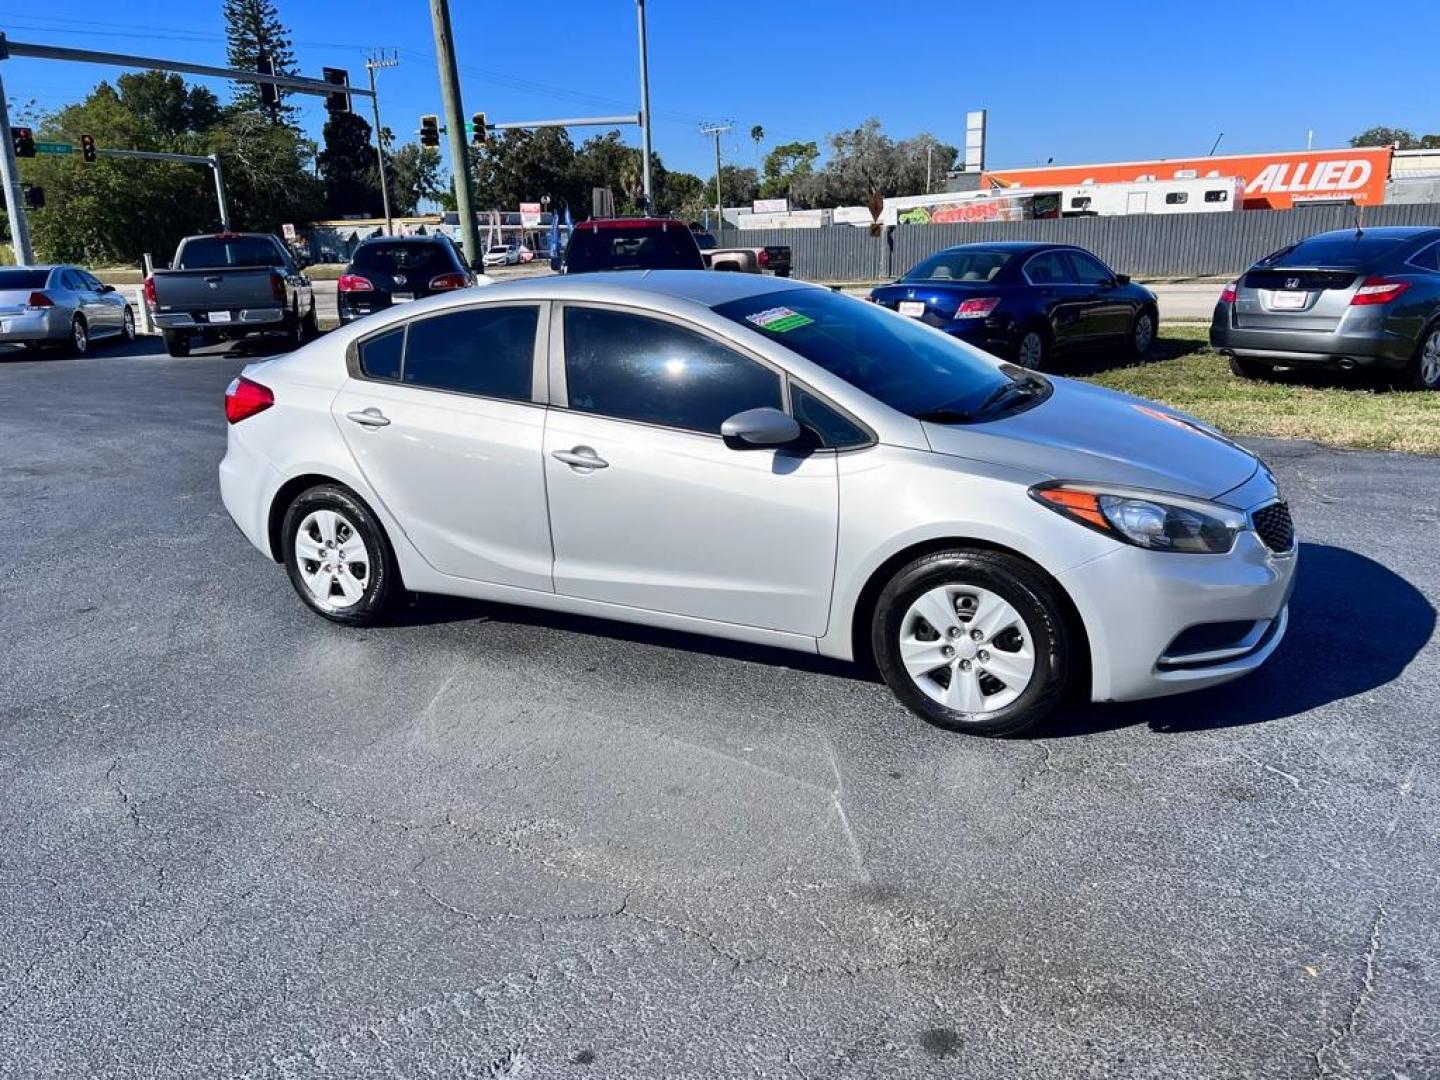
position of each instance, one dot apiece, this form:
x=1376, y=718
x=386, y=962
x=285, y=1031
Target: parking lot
x=240, y=841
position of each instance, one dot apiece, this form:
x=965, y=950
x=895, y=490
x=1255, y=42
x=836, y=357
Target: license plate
x=913, y=308
x=401, y=297
x=219, y=316
x=1288, y=301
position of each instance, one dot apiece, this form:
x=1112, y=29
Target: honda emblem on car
x=1292, y=283
x=399, y=279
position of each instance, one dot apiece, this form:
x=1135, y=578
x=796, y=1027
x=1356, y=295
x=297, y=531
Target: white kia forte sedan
x=746, y=457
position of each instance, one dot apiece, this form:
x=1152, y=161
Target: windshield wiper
x=945, y=416
x=1028, y=386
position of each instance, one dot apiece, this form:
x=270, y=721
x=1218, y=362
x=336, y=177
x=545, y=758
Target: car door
x=1107, y=308
x=87, y=302
x=1059, y=296
x=445, y=420
x=650, y=508
x=111, y=304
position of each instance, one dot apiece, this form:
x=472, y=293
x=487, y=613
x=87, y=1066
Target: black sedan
x=1354, y=298
x=1026, y=302
x=391, y=270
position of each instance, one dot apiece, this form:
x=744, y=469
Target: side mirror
x=107, y=288
x=1122, y=279
x=758, y=428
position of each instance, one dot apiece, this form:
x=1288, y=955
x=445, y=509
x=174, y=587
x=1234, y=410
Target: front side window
x=489, y=351
x=898, y=361
x=631, y=367
x=835, y=431
x=1048, y=268
x=1089, y=271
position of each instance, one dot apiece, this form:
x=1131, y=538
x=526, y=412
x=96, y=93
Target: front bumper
x=1356, y=342
x=1136, y=604
x=50, y=324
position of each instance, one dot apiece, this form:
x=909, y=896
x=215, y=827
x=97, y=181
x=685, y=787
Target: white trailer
x=1188, y=195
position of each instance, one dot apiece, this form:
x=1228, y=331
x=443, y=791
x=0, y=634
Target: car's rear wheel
x=177, y=343
x=1142, y=333
x=1424, y=372
x=78, y=343
x=974, y=641
x=337, y=556
x=1033, y=349
x=1249, y=369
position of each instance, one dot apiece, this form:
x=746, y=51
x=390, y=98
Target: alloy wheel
x=79, y=337
x=1032, y=350
x=129, y=329
x=1430, y=361
x=1144, y=332
x=967, y=648
x=333, y=560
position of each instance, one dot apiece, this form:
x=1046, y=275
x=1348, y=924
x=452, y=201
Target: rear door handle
x=371, y=417
x=581, y=457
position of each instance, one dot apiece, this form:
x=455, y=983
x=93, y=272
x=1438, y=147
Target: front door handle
x=581, y=457
x=371, y=417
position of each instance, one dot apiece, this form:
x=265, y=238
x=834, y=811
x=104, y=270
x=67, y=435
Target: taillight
x=39, y=300
x=1378, y=290
x=764, y=257
x=1227, y=294
x=977, y=308
x=353, y=283
x=455, y=280
x=149, y=291
x=244, y=398
x=277, y=286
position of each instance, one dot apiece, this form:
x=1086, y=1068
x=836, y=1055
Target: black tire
x=1033, y=337
x=294, y=335
x=1249, y=369
x=78, y=344
x=381, y=580
x=1413, y=376
x=177, y=343
x=783, y=273
x=310, y=326
x=1018, y=583
x=1144, y=329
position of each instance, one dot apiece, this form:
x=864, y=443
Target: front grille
x=1310, y=280
x=1274, y=526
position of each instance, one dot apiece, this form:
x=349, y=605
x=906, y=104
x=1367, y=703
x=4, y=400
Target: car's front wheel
x=337, y=556
x=972, y=640
x=1142, y=333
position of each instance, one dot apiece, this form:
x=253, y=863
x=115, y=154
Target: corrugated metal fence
x=1142, y=245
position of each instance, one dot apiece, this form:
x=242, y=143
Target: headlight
x=1153, y=520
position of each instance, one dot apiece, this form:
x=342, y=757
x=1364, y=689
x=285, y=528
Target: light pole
x=644, y=105
x=455, y=128
x=373, y=64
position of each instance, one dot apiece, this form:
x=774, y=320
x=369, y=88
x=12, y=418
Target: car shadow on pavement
x=1094, y=361
x=1322, y=659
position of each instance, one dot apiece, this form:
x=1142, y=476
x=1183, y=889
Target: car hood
x=1086, y=433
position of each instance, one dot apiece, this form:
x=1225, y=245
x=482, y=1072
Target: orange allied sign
x=1272, y=181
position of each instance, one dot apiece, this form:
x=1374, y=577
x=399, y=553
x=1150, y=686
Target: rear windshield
x=896, y=360
x=422, y=259
x=23, y=279
x=1351, y=249
x=636, y=248
x=960, y=266
x=216, y=251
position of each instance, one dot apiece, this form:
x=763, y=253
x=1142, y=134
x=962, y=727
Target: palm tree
x=757, y=136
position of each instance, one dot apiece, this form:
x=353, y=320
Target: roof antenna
x=1216, y=144
x=1359, y=216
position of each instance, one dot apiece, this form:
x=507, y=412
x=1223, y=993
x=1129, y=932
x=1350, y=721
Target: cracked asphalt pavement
x=238, y=841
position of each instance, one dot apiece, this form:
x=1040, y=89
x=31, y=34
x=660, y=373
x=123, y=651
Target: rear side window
x=1089, y=271
x=219, y=251
x=421, y=260
x=638, y=248
x=1427, y=258
x=836, y=431
x=635, y=368
x=380, y=355
x=488, y=351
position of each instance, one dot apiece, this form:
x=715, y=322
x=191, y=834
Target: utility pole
x=717, y=130
x=374, y=63
x=14, y=198
x=455, y=128
x=644, y=106
x=929, y=153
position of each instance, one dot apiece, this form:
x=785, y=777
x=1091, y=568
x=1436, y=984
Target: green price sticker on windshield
x=779, y=319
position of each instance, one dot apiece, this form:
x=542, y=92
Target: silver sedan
x=65, y=306
x=753, y=459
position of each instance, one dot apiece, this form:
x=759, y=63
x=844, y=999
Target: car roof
x=630, y=223
x=1005, y=245
x=1393, y=232
x=707, y=287
x=402, y=240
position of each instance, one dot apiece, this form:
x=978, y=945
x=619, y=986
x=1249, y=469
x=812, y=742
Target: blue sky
x=1079, y=82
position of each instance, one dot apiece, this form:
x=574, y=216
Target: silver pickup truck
x=227, y=286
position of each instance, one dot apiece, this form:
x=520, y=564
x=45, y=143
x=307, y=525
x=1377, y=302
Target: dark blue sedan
x=1026, y=302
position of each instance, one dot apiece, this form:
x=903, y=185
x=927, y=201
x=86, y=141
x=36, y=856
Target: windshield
x=632, y=248
x=906, y=365
x=967, y=265
x=419, y=259
x=1348, y=249
x=207, y=252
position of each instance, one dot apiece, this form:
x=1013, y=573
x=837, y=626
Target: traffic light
x=24, y=140
x=87, y=147
x=429, y=130
x=269, y=92
x=478, y=131
x=340, y=100
x=35, y=197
